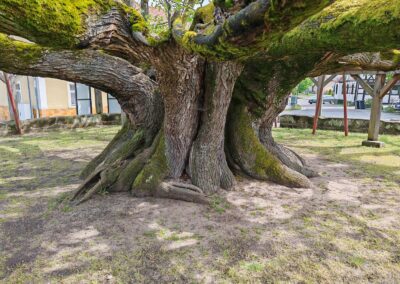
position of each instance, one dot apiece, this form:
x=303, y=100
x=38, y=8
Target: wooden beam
x=329, y=79
x=376, y=108
x=363, y=84
x=320, y=89
x=314, y=81
x=361, y=72
x=346, y=121
x=389, y=85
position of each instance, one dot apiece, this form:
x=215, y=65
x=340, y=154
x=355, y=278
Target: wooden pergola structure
x=381, y=88
x=378, y=92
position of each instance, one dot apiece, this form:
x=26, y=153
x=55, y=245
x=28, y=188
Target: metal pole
x=11, y=97
x=37, y=95
x=346, y=122
x=30, y=99
x=320, y=89
x=76, y=99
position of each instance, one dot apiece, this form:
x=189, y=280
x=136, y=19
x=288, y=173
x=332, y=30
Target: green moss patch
x=53, y=23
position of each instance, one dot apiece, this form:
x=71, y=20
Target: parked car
x=397, y=106
x=325, y=100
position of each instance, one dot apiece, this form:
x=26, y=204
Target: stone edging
x=60, y=122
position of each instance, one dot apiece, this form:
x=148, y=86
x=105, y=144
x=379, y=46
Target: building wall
x=58, y=103
x=23, y=81
x=48, y=97
x=352, y=91
x=4, y=111
x=105, y=102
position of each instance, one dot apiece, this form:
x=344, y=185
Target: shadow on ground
x=344, y=229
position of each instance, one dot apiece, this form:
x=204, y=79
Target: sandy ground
x=346, y=228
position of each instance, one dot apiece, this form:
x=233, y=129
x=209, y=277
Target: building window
x=71, y=95
x=83, y=99
x=113, y=105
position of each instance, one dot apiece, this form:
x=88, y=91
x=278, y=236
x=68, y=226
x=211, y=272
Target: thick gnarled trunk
x=182, y=86
x=200, y=138
x=208, y=167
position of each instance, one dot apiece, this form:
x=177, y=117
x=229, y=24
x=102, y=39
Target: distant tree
x=302, y=86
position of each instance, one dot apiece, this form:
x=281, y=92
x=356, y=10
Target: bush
x=368, y=103
x=389, y=109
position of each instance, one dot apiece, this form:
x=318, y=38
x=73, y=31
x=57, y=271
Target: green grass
x=381, y=163
x=218, y=204
x=321, y=240
x=46, y=160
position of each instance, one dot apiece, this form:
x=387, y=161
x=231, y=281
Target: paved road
x=335, y=111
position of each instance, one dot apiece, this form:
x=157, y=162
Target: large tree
x=201, y=95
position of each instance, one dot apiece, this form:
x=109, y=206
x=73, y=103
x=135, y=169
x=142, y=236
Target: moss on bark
x=155, y=170
x=52, y=23
x=18, y=53
x=345, y=27
x=60, y=24
x=252, y=157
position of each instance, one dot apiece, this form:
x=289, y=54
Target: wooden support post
x=12, y=102
x=320, y=89
x=376, y=111
x=346, y=122
x=376, y=108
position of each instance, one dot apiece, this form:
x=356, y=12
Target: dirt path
x=344, y=229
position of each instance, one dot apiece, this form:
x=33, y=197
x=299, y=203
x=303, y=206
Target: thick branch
x=245, y=32
x=68, y=24
x=50, y=22
x=345, y=27
x=97, y=69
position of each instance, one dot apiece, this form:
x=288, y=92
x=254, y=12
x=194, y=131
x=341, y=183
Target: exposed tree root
x=92, y=181
x=122, y=136
x=180, y=191
x=255, y=160
x=141, y=173
x=288, y=157
x=129, y=164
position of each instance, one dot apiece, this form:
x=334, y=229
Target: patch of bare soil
x=343, y=229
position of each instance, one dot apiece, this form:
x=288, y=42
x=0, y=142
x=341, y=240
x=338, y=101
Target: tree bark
x=208, y=167
x=181, y=83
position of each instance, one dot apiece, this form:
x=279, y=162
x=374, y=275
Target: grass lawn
x=346, y=228
x=334, y=146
